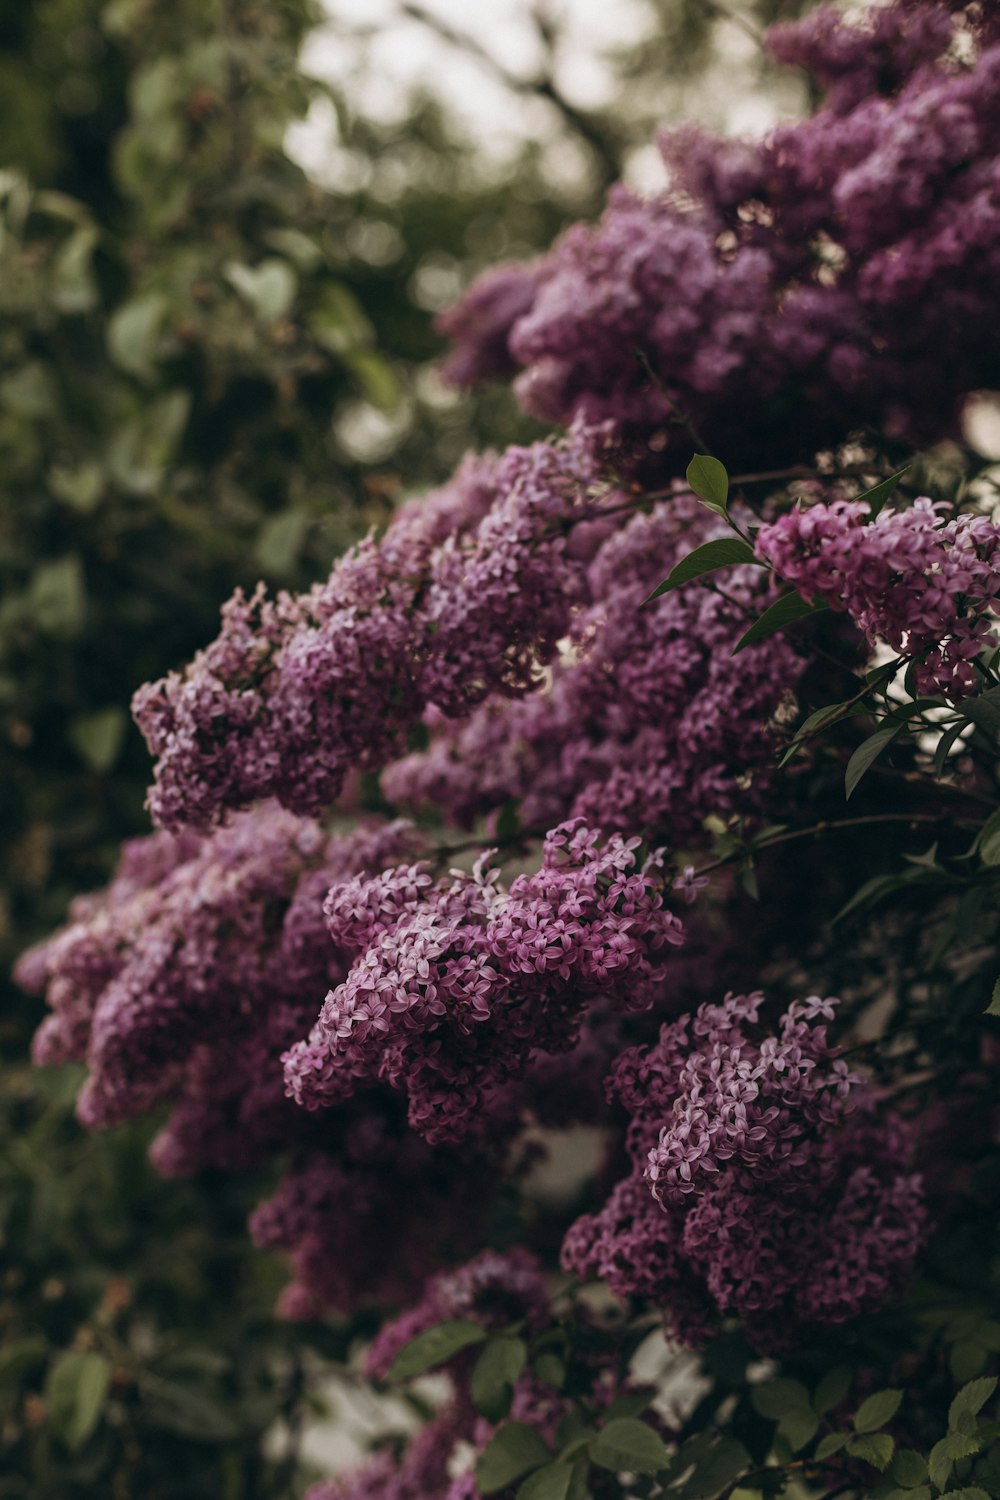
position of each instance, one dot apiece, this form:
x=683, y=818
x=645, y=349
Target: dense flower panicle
x=458, y=982
x=480, y=324
x=465, y=596
x=840, y=274
x=197, y=959
x=647, y=720
x=762, y=1185
x=495, y=1289
x=925, y=585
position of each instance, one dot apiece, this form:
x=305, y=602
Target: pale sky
x=378, y=55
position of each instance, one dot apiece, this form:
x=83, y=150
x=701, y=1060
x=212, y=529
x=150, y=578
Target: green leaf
x=876, y=1448
x=879, y=493
x=134, y=334
x=496, y=1372
x=513, y=1451
x=945, y=743
x=775, y=1398
x=947, y=1452
x=867, y=754
x=970, y=1492
x=57, y=599
x=269, y=288
x=19, y=1358
x=82, y=487
x=551, y=1483
x=74, y=288
x=187, y=1410
x=782, y=612
x=833, y=1388
x=29, y=392
x=909, y=1468
x=434, y=1346
x=984, y=710
x=798, y=1428
x=832, y=1443
x=722, y=553
x=969, y=1402
x=280, y=539
x=717, y=1464
x=76, y=1392
x=376, y=377
x=628, y=1444
x=920, y=1492
x=709, y=481
x=877, y=1410
x=988, y=840
x=98, y=737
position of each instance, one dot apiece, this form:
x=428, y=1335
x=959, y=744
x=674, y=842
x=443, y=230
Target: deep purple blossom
x=841, y=274
x=456, y=983
x=763, y=1183
x=466, y=595
x=924, y=584
x=647, y=719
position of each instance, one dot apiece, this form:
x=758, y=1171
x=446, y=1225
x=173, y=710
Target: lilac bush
x=623, y=710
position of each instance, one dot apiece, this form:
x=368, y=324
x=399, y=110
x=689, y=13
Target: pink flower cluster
x=925, y=585
x=647, y=719
x=466, y=595
x=841, y=274
x=762, y=1184
x=457, y=983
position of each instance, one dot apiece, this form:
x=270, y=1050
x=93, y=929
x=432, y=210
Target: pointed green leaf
x=879, y=493
x=833, y=1388
x=993, y=1009
x=434, y=1346
x=988, y=842
x=877, y=1410
x=944, y=745
x=867, y=754
x=722, y=553
x=775, y=1398
x=782, y=612
x=876, y=1448
x=515, y=1449
x=551, y=1483
x=969, y=1402
x=628, y=1444
x=909, y=1468
x=984, y=710
x=76, y=1391
x=495, y=1375
x=832, y=1443
x=709, y=481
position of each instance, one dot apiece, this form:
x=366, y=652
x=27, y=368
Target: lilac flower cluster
x=841, y=274
x=457, y=983
x=925, y=585
x=647, y=719
x=762, y=1183
x=466, y=595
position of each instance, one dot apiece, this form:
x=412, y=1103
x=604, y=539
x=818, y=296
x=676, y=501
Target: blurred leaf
x=513, y=1451
x=82, y=488
x=134, y=334
x=495, y=1374
x=76, y=1392
x=628, y=1444
x=878, y=1409
x=98, y=736
x=280, y=540
x=57, y=597
x=29, y=392
x=269, y=288
x=434, y=1346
